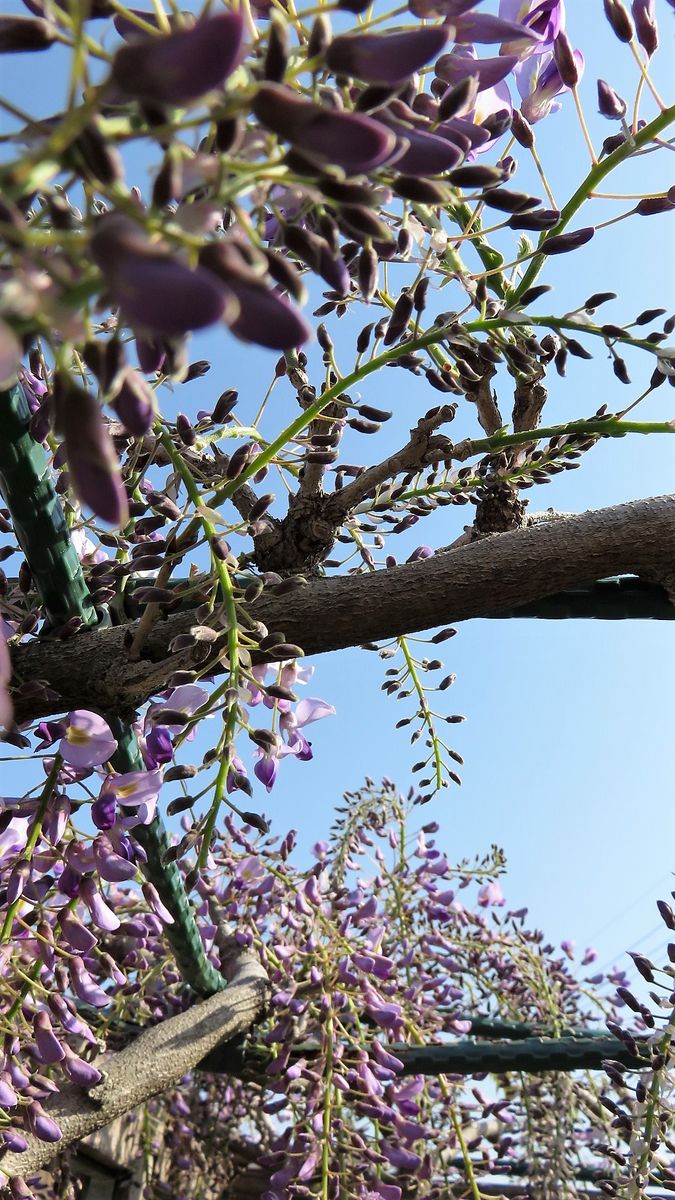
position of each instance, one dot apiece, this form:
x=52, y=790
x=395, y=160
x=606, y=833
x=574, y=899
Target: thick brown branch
x=488, y=577
x=152, y=1063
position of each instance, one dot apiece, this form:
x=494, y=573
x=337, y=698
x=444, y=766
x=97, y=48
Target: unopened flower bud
x=25, y=33
x=619, y=20
x=610, y=103
x=400, y=316
x=565, y=60
x=645, y=25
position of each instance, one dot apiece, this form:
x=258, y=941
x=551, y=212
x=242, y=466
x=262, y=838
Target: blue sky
x=569, y=742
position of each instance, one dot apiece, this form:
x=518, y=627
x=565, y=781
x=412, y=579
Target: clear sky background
x=569, y=745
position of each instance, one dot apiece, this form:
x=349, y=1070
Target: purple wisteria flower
x=88, y=740
x=291, y=723
x=491, y=895
x=186, y=699
x=33, y=388
x=539, y=82
x=136, y=791
x=13, y=839
x=543, y=18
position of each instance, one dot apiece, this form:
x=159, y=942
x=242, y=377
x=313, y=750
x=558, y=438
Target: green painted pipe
x=40, y=526
x=531, y=1055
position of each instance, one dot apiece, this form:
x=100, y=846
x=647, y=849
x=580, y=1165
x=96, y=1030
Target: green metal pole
x=40, y=526
x=532, y=1055
x=27, y=489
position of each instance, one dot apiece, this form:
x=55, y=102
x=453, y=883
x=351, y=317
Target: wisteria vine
x=360, y=160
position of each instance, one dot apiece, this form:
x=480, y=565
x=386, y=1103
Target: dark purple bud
x=256, y=821
x=667, y=913
x=506, y=200
x=319, y=36
x=304, y=244
x=134, y=403
x=375, y=96
x=476, y=176
x=76, y=934
x=420, y=191
x=628, y=998
x=544, y=218
x=458, y=99
x=645, y=25
x=286, y=274
x=278, y=48
x=25, y=33
x=350, y=140
x=224, y=406
x=437, y=380
x=48, y=1045
x=610, y=103
x=533, y=293
x=425, y=153
x=151, y=355
x=85, y=1074
x=264, y=317
x=565, y=60
x=457, y=67
x=652, y=205
x=185, y=430
x=643, y=965
x=399, y=318
x=104, y=812
x=168, y=183
x=563, y=242
x=599, y=298
x=619, y=19
x=522, y=130
x=368, y=273
x=178, y=68
x=620, y=369
x=153, y=289
x=18, y=879
x=92, y=461
x=228, y=135
x=387, y=58
x=13, y=1140
x=95, y=158
x=39, y=1124
x=361, y=223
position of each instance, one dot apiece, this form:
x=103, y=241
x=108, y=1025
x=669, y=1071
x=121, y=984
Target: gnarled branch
x=488, y=577
x=152, y=1063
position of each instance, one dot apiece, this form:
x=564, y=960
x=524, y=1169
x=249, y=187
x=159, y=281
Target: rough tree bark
x=153, y=1062
x=482, y=579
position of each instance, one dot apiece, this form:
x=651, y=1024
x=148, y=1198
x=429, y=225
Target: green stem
x=594, y=427
x=35, y=832
x=227, y=593
x=595, y=176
